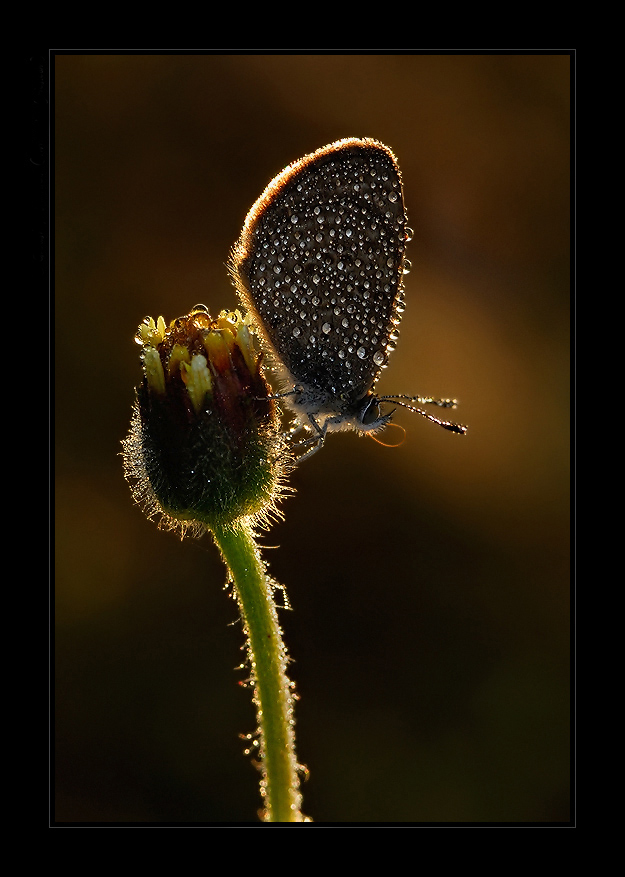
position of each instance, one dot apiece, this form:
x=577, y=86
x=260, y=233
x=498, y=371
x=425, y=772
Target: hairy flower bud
x=205, y=447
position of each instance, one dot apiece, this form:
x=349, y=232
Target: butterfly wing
x=319, y=265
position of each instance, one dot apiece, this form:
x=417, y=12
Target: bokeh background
x=429, y=584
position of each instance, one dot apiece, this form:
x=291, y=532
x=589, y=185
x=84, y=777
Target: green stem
x=267, y=655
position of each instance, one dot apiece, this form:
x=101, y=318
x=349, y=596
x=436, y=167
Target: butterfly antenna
x=427, y=400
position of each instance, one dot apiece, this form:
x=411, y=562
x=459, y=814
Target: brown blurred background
x=429, y=584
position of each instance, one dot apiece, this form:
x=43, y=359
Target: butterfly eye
x=371, y=412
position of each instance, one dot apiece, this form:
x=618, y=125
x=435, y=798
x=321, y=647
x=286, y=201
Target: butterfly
x=319, y=265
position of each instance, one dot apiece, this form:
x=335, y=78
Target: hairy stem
x=272, y=691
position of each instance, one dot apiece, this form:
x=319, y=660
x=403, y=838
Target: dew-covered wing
x=319, y=265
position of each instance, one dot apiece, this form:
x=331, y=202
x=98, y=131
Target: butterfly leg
x=315, y=440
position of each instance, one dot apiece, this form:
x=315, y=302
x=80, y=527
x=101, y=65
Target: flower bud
x=205, y=447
